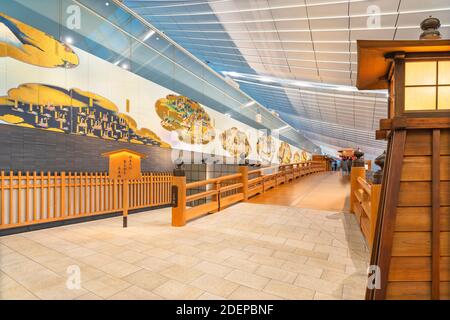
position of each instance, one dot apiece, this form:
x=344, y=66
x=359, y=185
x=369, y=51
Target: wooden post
x=356, y=172
x=125, y=202
x=244, y=171
x=179, y=201
x=62, y=193
x=217, y=196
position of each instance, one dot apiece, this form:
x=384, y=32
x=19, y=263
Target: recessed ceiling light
x=69, y=40
x=231, y=73
x=148, y=35
x=265, y=79
x=124, y=65
x=282, y=128
x=106, y=3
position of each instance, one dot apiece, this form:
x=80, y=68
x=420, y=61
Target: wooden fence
x=245, y=184
x=364, y=202
x=27, y=199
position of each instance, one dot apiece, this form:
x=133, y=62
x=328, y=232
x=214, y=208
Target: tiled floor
x=322, y=191
x=248, y=251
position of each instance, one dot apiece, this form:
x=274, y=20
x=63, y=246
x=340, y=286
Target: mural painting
x=71, y=111
x=297, y=158
x=29, y=45
x=266, y=148
x=53, y=108
x=235, y=142
x=284, y=153
x=187, y=118
x=35, y=104
x=305, y=156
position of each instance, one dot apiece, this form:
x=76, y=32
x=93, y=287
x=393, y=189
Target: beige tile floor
x=322, y=191
x=248, y=251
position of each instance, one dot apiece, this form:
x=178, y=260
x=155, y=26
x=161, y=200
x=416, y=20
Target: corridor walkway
x=248, y=251
x=323, y=191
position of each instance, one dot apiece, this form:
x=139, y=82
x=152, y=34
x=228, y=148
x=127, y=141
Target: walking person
x=344, y=166
x=349, y=163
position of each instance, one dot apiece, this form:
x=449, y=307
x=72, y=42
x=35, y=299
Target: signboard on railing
x=124, y=164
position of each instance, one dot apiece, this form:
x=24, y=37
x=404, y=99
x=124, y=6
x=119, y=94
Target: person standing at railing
x=344, y=166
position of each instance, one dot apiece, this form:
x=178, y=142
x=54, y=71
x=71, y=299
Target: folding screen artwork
x=284, y=153
x=235, y=142
x=266, y=148
x=187, y=118
x=58, y=87
x=72, y=111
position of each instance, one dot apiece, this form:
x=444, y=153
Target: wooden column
x=435, y=216
x=244, y=179
x=356, y=172
x=179, y=205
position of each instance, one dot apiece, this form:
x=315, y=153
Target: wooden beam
x=381, y=134
x=403, y=122
x=385, y=124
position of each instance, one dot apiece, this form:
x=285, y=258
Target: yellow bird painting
x=27, y=44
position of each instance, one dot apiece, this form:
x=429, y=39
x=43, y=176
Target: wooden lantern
x=411, y=251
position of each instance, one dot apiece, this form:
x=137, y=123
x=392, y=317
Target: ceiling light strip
x=301, y=30
x=256, y=9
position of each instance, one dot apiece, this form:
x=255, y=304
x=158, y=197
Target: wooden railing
x=32, y=198
x=364, y=202
x=242, y=185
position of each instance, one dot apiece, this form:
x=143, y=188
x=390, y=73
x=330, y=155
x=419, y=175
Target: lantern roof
x=373, y=62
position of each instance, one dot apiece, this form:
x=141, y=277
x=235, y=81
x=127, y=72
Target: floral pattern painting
x=235, y=142
x=187, y=118
x=265, y=148
x=284, y=153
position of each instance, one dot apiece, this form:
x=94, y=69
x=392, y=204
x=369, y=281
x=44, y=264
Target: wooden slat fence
x=32, y=198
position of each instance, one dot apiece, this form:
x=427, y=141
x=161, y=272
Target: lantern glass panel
x=444, y=98
x=420, y=73
x=420, y=98
x=444, y=72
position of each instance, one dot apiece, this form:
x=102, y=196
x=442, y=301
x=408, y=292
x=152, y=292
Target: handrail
x=241, y=188
x=202, y=183
x=365, y=186
x=231, y=187
x=200, y=195
x=364, y=202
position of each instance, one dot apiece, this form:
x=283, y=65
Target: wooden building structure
x=411, y=247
